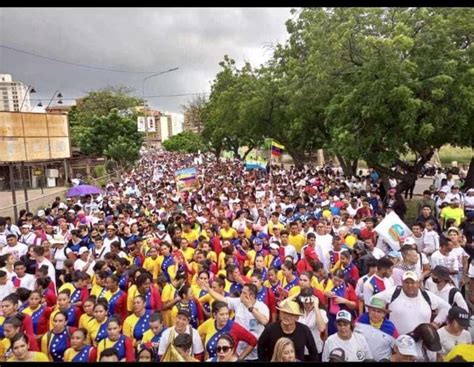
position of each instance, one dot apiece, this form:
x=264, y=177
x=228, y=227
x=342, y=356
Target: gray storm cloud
x=135, y=39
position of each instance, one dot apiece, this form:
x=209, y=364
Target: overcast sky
x=134, y=39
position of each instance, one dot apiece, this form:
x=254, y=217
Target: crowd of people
x=254, y=265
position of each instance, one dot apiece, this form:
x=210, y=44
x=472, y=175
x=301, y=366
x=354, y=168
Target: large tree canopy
x=363, y=83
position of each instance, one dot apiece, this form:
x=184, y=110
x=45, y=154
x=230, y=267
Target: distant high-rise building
x=13, y=95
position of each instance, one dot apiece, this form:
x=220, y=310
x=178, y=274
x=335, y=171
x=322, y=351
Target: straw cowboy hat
x=57, y=238
x=289, y=306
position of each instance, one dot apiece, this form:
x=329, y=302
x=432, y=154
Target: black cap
x=441, y=272
x=337, y=355
x=460, y=315
x=184, y=312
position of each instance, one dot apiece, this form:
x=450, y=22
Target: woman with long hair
x=138, y=322
x=88, y=314
x=47, y=293
x=55, y=342
x=284, y=351
x=64, y=304
x=220, y=323
x=289, y=281
x=225, y=348
x=341, y=296
x=116, y=340
x=97, y=327
x=20, y=346
x=315, y=317
x=80, y=351
x=427, y=342
x=116, y=297
x=39, y=313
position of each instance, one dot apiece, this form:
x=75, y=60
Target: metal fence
x=47, y=198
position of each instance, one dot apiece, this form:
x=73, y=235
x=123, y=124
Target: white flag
x=141, y=124
x=392, y=229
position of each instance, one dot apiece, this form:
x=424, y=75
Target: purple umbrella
x=83, y=190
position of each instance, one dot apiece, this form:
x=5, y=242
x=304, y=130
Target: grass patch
x=411, y=213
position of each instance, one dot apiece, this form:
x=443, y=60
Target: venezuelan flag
x=277, y=149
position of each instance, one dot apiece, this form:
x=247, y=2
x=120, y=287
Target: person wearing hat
x=27, y=236
x=85, y=262
x=289, y=327
x=410, y=305
x=455, y=332
x=404, y=349
x=354, y=345
x=337, y=355
x=427, y=342
x=181, y=326
x=469, y=201
x=377, y=329
x=441, y=284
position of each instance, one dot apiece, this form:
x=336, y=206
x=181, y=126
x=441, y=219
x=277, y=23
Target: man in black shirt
x=287, y=327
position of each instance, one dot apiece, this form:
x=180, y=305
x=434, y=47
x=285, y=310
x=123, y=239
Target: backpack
x=452, y=294
x=398, y=290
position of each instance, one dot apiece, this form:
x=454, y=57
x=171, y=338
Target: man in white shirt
x=111, y=237
x=6, y=286
x=409, y=307
x=446, y=258
x=85, y=262
x=252, y=314
x=22, y=279
x=27, y=237
x=181, y=326
x=17, y=249
x=380, y=281
x=4, y=232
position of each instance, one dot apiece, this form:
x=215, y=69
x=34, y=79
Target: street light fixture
x=30, y=89
x=56, y=94
x=144, y=104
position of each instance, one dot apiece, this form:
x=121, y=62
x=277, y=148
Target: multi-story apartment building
x=13, y=95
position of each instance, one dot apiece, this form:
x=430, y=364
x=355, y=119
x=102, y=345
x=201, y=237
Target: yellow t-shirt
x=454, y=213
x=153, y=266
x=188, y=254
x=271, y=225
x=228, y=234
x=191, y=236
x=168, y=294
x=35, y=357
x=297, y=241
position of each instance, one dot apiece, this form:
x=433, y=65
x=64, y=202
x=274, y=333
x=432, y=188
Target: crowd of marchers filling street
x=283, y=264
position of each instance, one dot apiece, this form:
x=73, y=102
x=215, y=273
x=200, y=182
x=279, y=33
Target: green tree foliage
x=185, y=142
x=102, y=117
x=106, y=135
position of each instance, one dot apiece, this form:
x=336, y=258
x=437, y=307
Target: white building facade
x=13, y=95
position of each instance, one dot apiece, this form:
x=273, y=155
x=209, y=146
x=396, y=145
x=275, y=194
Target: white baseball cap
x=274, y=245
x=409, y=241
x=83, y=250
x=406, y=345
x=410, y=275
x=344, y=315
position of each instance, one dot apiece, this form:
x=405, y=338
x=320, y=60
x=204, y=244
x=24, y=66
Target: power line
x=158, y=96
x=74, y=63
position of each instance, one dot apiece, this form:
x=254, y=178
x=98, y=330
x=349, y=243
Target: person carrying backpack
x=411, y=306
x=441, y=284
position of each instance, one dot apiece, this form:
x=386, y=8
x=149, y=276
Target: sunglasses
x=223, y=349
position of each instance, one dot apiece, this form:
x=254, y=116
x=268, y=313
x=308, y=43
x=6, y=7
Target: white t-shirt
x=17, y=251
x=309, y=319
x=356, y=348
x=408, y=312
x=430, y=356
x=6, y=289
x=165, y=340
x=449, y=341
x=450, y=261
x=60, y=256
x=28, y=281
x=248, y=321
x=79, y=264
x=51, y=269
x=444, y=293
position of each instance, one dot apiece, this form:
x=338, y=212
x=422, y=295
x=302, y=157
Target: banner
x=259, y=163
x=141, y=124
x=151, y=124
x=186, y=178
x=392, y=229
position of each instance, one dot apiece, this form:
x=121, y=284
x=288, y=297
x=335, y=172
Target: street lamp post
x=144, y=103
x=58, y=95
x=30, y=89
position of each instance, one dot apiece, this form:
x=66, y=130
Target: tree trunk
x=247, y=153
x=349, y=168
x=470, y=174
x=298, y=157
